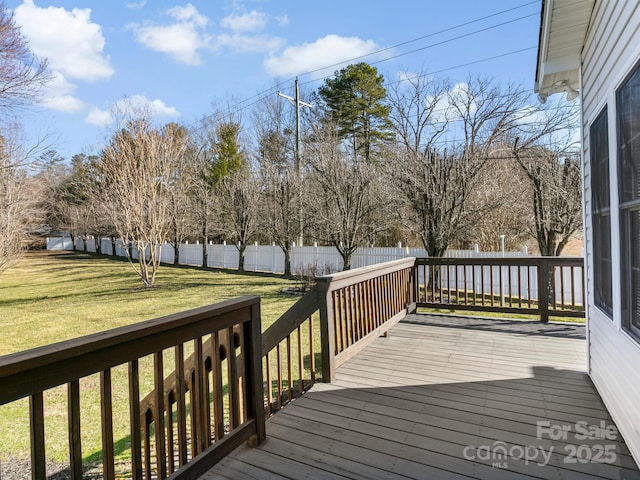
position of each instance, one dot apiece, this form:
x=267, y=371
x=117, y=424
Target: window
x=628, y=119
x=600, y=212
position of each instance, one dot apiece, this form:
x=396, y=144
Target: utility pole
x=297, y=103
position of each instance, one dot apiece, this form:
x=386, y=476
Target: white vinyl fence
x=269, y=258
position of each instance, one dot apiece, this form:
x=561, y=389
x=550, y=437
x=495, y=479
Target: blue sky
x=182, y=57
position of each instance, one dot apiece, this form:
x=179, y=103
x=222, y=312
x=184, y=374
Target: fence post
x=325, y=304
x=543, y=289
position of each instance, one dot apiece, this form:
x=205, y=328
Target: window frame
x=628, y=207
x=601, y=213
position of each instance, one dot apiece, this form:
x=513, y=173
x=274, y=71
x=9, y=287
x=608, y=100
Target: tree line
x=420, y=159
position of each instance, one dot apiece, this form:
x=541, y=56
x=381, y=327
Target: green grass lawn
x=54, y=296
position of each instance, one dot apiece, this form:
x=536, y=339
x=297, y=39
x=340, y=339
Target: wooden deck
x=445, y=398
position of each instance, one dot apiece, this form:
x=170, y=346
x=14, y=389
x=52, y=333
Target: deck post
x=543, y=289
x=325, y=303
x=414, y=281
x=253, y=371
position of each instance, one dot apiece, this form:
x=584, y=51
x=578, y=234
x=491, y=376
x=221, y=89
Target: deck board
x=418, y=403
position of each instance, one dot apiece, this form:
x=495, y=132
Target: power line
x=455, y=27
x=271, y=90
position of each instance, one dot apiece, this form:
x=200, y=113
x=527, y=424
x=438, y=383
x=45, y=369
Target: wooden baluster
x=529, y=286
x=356, y=312
x=482, y=284
x=368, y=305
x=170, y=446
x=134, y=420
x=377, y=296
x=338, y=318
x=181, y=410
x=573, y=289
x=289, y=369
x=269, y=391
x=158, y=414
x=582, y=280
x=75, y=443
x=364, y=311
x=234, y=394
x=312, y=360
x=207, y=403
x=491, y=283
x=36, y=417
x=345, y=307
x=192, y=413
x=198, y=388
x=473, y=286
x=242, y=375
x=509, y=286
x=300, y=362
x=218, y=401
x=279, y=371
x=561, y=269
x=106, y=414
x=519, y=287
x=148, y=418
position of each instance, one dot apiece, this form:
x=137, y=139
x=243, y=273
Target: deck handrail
x=30, y=373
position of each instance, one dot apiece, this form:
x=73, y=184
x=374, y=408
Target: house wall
x=612, y=49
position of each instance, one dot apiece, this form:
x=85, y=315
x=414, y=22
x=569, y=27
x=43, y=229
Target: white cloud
x=136, y=6
x=157, y=108
x=59, y=96
x=247, y=22
x=180, y=40
x=73, y=44
x=328, y=50
x=282, y=20
x=63, y=103
x=188, y=14
x=250, y=43
x=99, y=118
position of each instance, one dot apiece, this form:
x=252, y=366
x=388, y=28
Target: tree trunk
x=205, y=258
x=205, y=255
x=287, y=261
x=241, y=249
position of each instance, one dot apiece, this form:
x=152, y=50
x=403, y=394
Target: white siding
x=612, y=49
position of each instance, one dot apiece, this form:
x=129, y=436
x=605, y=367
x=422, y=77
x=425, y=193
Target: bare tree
x=22, y=74
x=436, y=174
x=19, y=210
x=342, y=195
x=239, y=199
x=502, y=194
x=554, y=179
x=280, y=181
x=136, y=173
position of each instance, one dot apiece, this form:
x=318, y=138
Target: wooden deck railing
x=359, y=305
x=331, y=322
x=217, y=396
x=232, y=326
x=545, y=286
